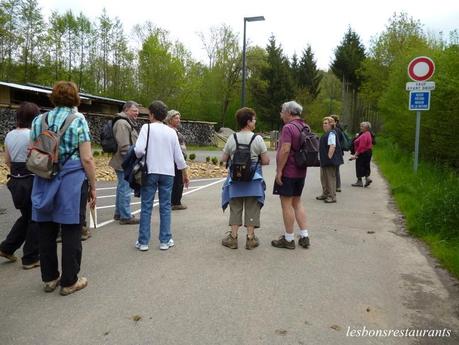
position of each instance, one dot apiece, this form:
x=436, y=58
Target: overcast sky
x=294, y=23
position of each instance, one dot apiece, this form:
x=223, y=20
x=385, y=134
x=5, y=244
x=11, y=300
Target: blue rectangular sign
x=419, y=100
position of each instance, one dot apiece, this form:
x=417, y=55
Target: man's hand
x=279, y=178
x=185, y=178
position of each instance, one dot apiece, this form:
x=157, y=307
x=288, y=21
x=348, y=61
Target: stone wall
x=195, y=132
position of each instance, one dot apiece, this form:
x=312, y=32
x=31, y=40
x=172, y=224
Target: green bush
x=96, y=153
x=192, y=157
x=214, y=160
x=208, y=159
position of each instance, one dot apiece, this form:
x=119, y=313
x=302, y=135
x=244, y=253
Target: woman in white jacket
x=163, y=151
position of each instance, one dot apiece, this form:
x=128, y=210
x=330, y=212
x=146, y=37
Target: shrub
x=192, y=156
x=208, y=159
x=214, y=160
x=96, y=153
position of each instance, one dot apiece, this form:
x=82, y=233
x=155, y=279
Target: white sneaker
x=166, y=246
x=141, y=247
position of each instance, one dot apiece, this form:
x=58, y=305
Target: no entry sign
x=421, y=68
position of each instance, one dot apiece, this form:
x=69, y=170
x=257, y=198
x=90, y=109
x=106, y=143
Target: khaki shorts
x=251, y=215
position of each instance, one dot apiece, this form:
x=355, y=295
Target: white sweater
x=163, y=149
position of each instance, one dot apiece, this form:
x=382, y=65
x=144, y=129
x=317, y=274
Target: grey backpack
x=43, y=158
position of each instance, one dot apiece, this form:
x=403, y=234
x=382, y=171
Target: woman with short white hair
x=363, y=145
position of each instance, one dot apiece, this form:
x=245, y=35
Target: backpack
x=43, y=157
x=346, y=142
x=307, y=154
x=107, y=137
x=241, y=164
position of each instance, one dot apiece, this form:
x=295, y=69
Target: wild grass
x=429, y=199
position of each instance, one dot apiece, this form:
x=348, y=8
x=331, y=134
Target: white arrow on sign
x=420, y=86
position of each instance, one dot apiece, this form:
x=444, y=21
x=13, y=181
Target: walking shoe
x=321, y=197
x=81, y=283
x=368, y=181
x=329, y=200
x=85, y=233
x=251, y=243
x=229, y=241
x=10, y=257
x=283, y=243
x=166, y=246
x=32, y=265
x=51, y=285
x=141, y=247
x=130, y=221
x=304, y=242
x=338, y=190
x=116, y=217
x=357, y=184
x=179, y=207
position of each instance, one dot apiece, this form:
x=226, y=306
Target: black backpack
x=307, y=154
x=241, y=164
x=107, y=137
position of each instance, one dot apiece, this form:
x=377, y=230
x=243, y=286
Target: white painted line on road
x=156, y=203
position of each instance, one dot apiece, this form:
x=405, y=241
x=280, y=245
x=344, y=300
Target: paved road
x=202, y=293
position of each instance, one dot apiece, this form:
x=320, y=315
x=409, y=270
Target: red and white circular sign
x=421, y=68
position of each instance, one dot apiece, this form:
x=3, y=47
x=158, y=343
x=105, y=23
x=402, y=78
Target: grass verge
x=429, y=200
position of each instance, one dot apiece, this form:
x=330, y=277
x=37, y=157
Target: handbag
x=140, y=169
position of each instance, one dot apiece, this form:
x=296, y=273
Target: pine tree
x=309, y=76
x=349, y=56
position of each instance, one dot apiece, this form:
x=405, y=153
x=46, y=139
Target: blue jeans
x=162, y=183
x=123, y=197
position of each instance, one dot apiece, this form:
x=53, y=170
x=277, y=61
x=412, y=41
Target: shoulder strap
x=253, y=138
x=235, y=139
x=68, y=121
x=301, y=130
x=44, y=121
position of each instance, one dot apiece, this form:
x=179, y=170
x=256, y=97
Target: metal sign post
x=420, y=70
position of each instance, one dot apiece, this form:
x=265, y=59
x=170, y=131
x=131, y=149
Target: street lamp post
x=246, y=19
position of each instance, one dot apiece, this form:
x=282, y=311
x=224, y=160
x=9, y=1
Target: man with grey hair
x=290, y=178
x=125, y=133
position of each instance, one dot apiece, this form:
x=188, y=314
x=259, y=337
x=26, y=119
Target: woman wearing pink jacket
x=363, y=144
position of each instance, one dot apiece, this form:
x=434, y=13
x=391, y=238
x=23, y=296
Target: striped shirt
x=76, y=133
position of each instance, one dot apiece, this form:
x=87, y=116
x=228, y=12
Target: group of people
x=58, y=205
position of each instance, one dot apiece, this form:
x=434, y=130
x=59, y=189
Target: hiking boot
x=368, y=181
x=338, y=190
x=304, y=242
x=10, y=257
x=131, y=221
x=51, y=285
x=230, y=242
x=32, y=265
x=329, y=200
x=116, y=217
x=251, y=243
x=357, y=184
x=80, y=284
x=321, y=197
x=283, y=243
x=85, y=233
x=179, y=207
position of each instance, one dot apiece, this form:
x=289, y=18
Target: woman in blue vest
x=20, y=184
x=247, y=196
x=330, y=157
x=61, y=200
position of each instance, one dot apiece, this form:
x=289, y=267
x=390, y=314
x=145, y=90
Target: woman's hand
x=92, y=197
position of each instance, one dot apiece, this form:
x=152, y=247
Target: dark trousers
x=71, y=247
x=362, y=164
x=177, y=188
x=23, y=231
